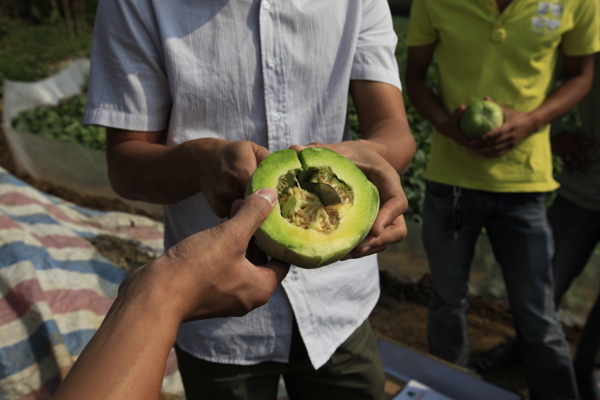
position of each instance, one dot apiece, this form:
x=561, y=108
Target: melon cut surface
x=300, y=230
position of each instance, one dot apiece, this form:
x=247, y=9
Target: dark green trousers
x=354, y=372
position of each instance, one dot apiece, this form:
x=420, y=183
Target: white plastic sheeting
x=65, y=164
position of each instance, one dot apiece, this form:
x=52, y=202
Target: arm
x=568, y=146
x=204, y=276
x=383, y=122
x=517, y=125
x=425, y=100
x=387, y=149
x=141, y=168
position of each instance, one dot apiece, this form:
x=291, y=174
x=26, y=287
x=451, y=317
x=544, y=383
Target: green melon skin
x=480, y=117
x=307, y=248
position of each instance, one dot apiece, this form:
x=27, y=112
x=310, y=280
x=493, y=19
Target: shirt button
x=498, y=35
x=275, y=117
x=266, y=5
x=271, y=62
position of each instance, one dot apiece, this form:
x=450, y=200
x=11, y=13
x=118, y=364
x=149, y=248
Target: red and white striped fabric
x=55, y=287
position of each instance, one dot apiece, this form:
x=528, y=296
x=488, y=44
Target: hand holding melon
x=480, y=117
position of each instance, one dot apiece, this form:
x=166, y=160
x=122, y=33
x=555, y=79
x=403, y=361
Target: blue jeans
x=576, y=234
x=521, y=240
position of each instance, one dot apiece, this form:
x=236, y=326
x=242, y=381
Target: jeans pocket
x=525, y=199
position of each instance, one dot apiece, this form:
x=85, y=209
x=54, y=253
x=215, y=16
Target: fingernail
x=268, y=194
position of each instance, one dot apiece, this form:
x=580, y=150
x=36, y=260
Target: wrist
x=537, y=122
x=440, y=123
x=153, y=291
x=196, y=155
x=372, y=145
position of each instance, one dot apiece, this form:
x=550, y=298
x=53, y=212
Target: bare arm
x=424, y=99
x=204, y=276
x=140, y=167
x=579, y=74
x=383, y=122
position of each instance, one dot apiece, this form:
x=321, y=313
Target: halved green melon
x=300, y=230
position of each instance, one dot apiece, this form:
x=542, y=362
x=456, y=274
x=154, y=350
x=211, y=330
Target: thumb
x=458, y=112
x=298, y=147
x=253, y=211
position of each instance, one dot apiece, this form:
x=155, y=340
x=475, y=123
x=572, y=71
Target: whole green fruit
x=480, y=117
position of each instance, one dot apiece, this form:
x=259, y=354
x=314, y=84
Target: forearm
x=126, y=358
x=151, y=172
x=561, y=101
x=380, y=110
x=426, y=102
x=392, y=140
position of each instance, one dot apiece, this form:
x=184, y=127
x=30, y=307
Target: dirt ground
x=400, y=314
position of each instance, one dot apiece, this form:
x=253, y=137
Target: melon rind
x=307, y=248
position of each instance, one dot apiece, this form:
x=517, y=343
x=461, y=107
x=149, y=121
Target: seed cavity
x=303, y=208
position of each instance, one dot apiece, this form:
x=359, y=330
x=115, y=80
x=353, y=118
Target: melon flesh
x=304, y=209
x=300, y=230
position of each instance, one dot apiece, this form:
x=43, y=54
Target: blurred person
x=504, y=51
x=206, y=275
x=575, y=219
x=195, y=95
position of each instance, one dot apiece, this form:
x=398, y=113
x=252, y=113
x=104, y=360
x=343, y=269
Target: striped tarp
x=55, y=287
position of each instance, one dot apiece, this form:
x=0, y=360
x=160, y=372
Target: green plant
x=63, y=122
x=30, y=52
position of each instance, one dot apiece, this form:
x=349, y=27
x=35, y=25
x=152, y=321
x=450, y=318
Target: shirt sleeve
x=375, y=58
x=420, y=27
x=128, y=87
x=584, y=38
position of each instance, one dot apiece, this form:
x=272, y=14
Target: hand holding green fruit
x=480, y=117
x=516, y=127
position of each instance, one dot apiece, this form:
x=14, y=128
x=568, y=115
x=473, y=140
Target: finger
x=261, y=153
x=496, y=133
x=458, y=112
x=358, y=254
x=504, y=144
x=235, y=207
x=394, y=233
x=253, y=211
x=391, y=209
x=299, y=147
x=274, y=272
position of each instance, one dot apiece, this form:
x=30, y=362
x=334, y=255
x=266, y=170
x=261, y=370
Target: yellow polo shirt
x=509, y=56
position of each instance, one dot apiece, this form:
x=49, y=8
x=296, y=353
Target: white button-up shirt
x=275, y=72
